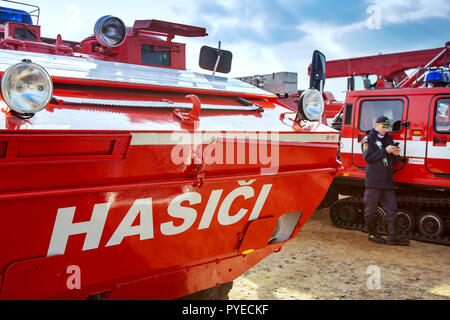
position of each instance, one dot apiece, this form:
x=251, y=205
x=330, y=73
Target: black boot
x=394, y=238
x=374, y=236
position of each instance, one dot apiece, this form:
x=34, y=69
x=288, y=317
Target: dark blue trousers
x=386, y=197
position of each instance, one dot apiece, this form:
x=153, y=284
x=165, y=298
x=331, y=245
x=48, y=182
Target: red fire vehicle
x=125, y=175
x=418, y=105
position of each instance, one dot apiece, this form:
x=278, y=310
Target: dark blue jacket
x=380, y=164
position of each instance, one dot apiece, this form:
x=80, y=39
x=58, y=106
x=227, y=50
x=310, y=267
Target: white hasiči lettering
x=176, y=210
x=125, y=228
x=64, y=226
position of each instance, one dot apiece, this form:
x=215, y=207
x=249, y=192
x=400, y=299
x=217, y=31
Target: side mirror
x=350, y=84
x=318, y=75
x=216, y=60
x=397, y=126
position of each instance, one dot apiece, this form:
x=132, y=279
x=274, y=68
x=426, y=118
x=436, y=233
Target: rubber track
x=403, y=202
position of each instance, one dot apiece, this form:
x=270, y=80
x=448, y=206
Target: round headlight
x=110, y=31
x=311, y=104
x=26, y=87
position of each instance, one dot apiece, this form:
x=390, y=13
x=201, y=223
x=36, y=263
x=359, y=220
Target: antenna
x=219, y=54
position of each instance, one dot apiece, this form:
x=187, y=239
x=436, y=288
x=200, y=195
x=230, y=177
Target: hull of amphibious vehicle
x=107, y=191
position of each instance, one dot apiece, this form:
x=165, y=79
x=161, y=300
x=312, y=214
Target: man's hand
x=393, y=149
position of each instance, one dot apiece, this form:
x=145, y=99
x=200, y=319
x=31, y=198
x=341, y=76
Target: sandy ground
x=324, y=262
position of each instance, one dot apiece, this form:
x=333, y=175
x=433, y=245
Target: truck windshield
x=372, y=109
x=442, y=120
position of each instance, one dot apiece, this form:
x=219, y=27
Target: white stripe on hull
x=173, y=138
x=416, y=149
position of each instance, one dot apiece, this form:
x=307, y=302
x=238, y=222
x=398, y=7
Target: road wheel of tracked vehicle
x=405, y=221
x=215, y=293
x=431, y=224
x=381, y=219
x=344, y=215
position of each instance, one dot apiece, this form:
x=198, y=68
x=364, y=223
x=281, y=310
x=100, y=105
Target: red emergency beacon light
x=125, y=175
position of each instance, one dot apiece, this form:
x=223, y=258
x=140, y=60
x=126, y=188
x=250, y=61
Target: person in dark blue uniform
x=381, y=155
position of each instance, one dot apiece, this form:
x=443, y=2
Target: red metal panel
x=438, y=143
x=258, y=234
x=34, y=279
x=3, y=146
x=32, y=149
x=35, y=218
x=170, y=28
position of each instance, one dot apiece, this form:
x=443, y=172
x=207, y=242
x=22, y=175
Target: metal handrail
x=407, y=80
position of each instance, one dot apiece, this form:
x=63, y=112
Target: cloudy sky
x=268, y=36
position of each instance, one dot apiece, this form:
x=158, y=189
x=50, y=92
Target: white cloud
x=251, y=58
x=403, y=11
x=229, y=4
x=73, y=13
x=327, y=37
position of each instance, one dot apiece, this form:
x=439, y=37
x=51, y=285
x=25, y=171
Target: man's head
x=382, y=124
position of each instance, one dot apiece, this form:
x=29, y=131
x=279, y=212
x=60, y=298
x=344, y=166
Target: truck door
x=438, y=141
x=368, y=110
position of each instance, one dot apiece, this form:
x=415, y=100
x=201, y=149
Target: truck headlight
x=110, y=31
x=310, y=104
x=26, y=87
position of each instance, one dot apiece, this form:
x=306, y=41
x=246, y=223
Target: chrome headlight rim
x=100, y=34
x=311, y=104
x=6, y=76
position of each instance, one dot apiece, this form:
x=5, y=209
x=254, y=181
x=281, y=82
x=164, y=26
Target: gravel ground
x=324, y=262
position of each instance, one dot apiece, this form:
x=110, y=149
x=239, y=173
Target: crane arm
x=390, y=67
